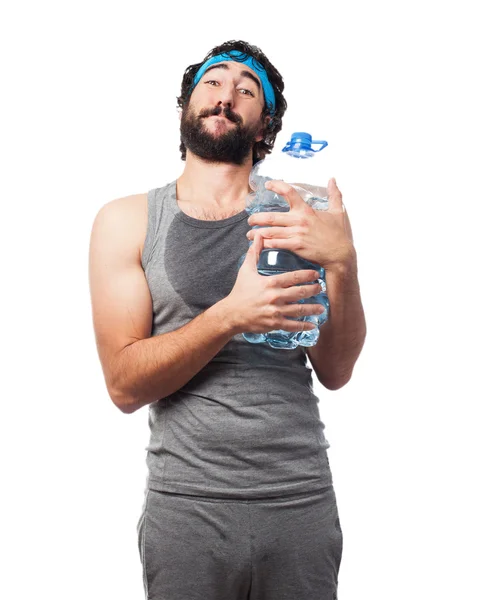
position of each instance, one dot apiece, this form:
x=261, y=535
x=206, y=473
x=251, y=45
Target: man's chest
x=207, y=213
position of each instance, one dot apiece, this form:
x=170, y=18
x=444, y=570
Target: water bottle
x=296, y=166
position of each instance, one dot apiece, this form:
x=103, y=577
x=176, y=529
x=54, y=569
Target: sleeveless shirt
x=247, y=425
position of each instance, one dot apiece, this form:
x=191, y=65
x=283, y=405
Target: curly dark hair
x=265, y=146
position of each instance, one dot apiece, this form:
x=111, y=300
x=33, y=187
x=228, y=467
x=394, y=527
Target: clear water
x=289, y=340
x=318, y=203
x=315, y=196
x=267, y=201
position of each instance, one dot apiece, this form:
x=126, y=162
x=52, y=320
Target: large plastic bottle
x=294, y=165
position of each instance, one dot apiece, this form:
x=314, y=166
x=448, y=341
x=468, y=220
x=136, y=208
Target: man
x=239, y=502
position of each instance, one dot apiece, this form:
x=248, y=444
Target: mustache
x=217, y=110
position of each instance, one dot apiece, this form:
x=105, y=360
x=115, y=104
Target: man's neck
x=216, y=185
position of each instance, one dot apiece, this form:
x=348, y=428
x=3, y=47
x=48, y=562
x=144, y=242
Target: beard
x=232, y=146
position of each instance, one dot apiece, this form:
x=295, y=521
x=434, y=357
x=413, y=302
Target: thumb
x=254, y=251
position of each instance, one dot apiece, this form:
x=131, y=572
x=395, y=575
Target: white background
x=88, y=114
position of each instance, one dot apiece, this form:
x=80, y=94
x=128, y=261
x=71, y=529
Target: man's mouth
x=222, y=117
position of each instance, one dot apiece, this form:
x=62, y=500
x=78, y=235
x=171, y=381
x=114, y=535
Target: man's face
x=222, y=119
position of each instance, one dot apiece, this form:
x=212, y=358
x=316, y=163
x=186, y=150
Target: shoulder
x=128, y=217
x=135, y=205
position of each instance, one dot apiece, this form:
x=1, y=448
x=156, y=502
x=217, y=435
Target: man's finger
x=255, y=249
x=335, y=198
x=288, y=192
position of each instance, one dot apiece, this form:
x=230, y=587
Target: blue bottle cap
x=301, y=142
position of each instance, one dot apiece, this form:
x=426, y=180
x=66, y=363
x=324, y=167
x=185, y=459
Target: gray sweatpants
x=201, y=548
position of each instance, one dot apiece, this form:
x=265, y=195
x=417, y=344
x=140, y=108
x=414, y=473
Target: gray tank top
x=247, y=425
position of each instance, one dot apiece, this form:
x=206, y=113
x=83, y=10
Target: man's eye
x=241, y=89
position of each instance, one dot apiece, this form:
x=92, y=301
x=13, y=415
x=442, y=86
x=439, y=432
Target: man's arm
x=140, y=369
x=342, y=336
x=154, y=368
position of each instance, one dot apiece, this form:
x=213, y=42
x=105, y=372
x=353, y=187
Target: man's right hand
x=259, y=303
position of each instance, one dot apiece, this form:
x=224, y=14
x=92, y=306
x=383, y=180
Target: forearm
x=153, y=368
x=342, y=336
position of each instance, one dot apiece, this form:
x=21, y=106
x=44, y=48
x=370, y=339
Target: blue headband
x=252, y=64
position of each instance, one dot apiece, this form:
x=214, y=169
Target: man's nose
x=223, y=104
x=226, y=97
